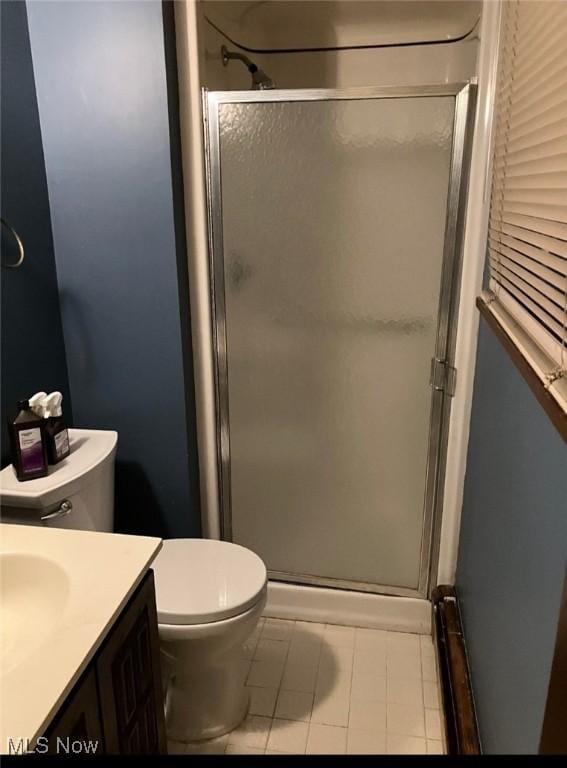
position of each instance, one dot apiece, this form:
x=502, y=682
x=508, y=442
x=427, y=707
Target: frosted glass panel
x=333, y=226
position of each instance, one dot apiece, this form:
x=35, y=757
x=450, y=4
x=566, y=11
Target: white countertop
x=48, y=638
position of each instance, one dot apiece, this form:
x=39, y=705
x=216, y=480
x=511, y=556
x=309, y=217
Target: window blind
x=527, y=236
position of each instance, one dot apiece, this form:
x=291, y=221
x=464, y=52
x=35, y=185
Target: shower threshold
x=343, y=584
x=302, y=602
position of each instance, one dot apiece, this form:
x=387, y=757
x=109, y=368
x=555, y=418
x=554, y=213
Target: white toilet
x=210, y=594
x=77, y=493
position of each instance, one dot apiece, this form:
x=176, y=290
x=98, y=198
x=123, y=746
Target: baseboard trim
x=458, y=700
x=354, y=609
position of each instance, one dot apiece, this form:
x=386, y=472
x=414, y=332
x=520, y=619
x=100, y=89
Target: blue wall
x=33, y=354
x=513, y=551
x=100, y=71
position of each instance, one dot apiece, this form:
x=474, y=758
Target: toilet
x=77, y=493
x=210, y=594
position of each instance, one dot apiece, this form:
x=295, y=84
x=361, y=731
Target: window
x=527, y=239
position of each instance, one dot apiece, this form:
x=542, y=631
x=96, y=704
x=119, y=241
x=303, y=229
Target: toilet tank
x=77, y=493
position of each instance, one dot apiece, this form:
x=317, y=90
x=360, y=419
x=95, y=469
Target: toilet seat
x=213, y=629
x=201, y=581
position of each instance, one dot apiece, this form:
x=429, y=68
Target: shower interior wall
x=412, y=65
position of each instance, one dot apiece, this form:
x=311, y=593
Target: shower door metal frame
x=464, y=94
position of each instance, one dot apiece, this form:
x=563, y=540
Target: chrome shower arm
x=260, y=81
x=228, y=55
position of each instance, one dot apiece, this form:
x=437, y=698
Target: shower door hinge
x=443, y=376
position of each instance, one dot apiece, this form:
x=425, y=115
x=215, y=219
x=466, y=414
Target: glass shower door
x=328, y=221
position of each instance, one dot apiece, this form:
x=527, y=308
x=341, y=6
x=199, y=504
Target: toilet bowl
x=210, y=596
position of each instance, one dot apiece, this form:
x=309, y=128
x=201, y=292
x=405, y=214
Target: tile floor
x=328, y=689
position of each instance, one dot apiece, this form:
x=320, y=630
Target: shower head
x=260, y=80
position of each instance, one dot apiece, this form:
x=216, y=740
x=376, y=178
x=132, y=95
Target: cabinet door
x=129, y=679
x=78, y=727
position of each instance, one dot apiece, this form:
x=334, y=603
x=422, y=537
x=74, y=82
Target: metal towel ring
x=21, y=253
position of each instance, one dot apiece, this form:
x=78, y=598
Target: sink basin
x=33, y=594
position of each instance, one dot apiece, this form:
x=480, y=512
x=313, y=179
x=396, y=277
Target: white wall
x=474, y=249
x=191, y=123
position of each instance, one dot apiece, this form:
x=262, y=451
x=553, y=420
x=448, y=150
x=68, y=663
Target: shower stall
x=335, y=235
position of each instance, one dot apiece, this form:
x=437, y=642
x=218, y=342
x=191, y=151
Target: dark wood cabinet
x=118, y=703
x=129, y=679
x=78, y=725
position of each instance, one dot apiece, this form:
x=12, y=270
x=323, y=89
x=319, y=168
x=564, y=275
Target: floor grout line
x=350, y=689
x=279, y=687
x=407, y=740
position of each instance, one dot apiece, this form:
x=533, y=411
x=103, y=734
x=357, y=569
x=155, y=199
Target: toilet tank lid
x=89, y=449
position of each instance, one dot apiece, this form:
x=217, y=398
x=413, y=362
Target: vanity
x=79, y=647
